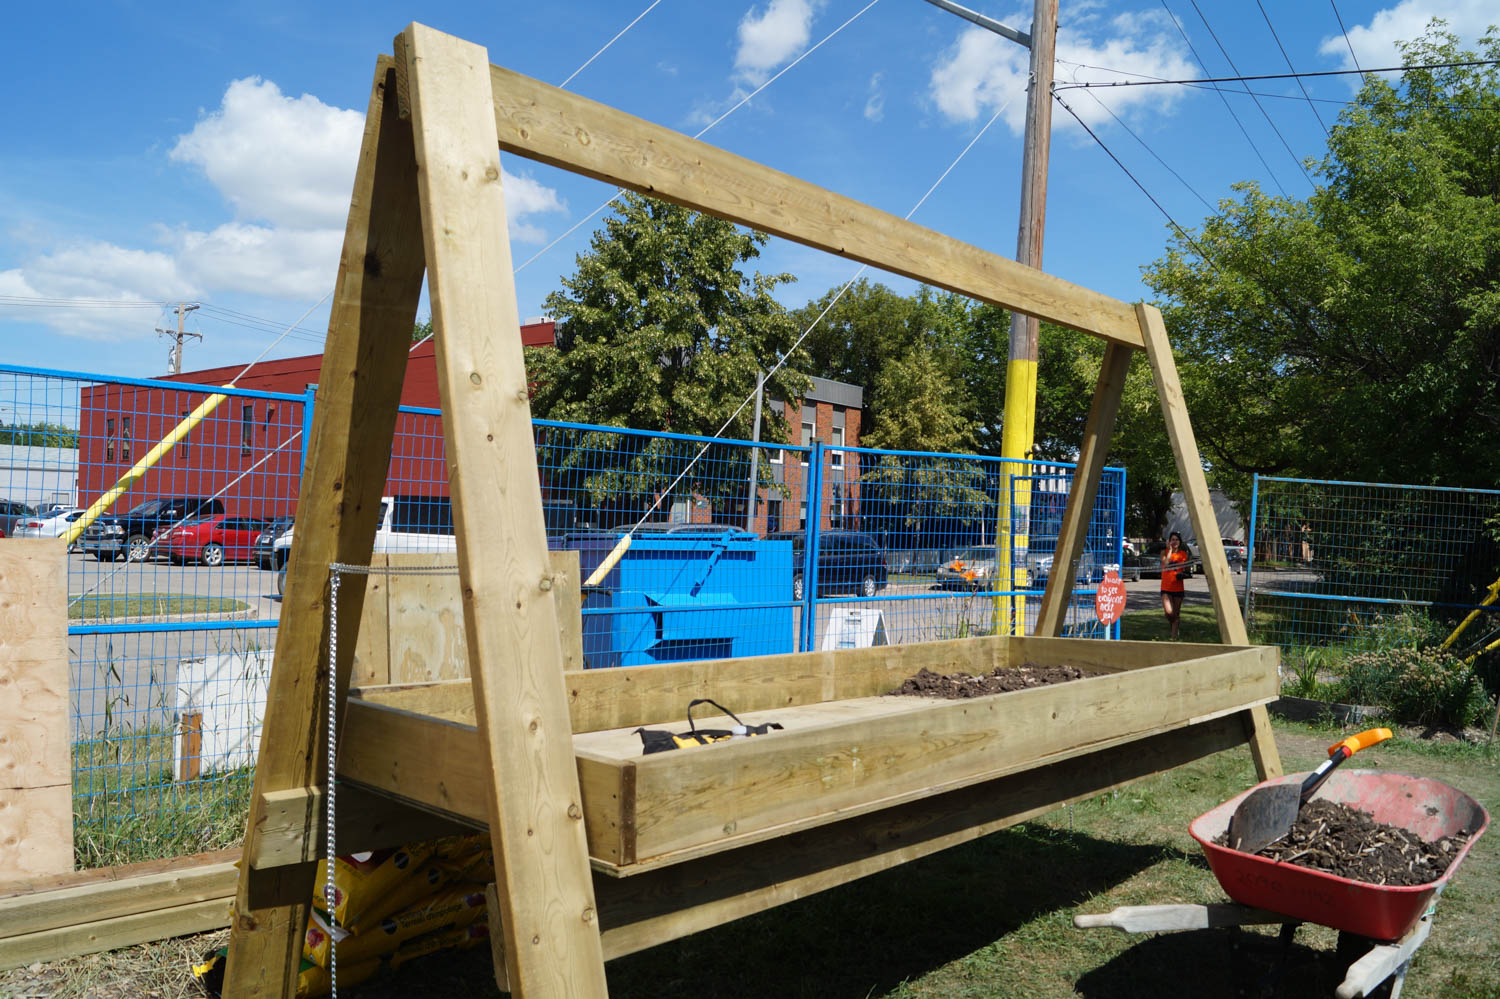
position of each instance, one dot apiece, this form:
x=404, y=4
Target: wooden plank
x=1111, y=656
x=192, y=746
x=426, y=621
x=36, y=779
x=295, y=830
x=1080, y=509
x=601, y=699
x=566, y=581
x=545, y=888
x=112, y=934
x=669, y=903
x=553, y=126
x=872, y=754
x=359, y=390
x=797, y=776
x=372, y=647
x=120, y=872
x=183, y=883
x=1205, y=524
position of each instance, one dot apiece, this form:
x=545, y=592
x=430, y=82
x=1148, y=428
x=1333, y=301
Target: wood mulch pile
x=957, y=686
x=1337, y=839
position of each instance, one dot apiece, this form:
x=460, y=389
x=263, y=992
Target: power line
x=27, y=301
x=1289, y=66
x=1191, y=48
x=1225, y=53
x=1345, y=33
x=1147, y=147
x=1157, y=81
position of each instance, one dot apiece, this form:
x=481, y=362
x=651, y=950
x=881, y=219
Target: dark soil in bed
x=1337, y=839
x=957, y=686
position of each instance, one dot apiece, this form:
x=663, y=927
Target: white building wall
x=38, y=475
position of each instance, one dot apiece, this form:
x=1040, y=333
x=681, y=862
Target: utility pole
x=1018, y=431
x=174, y=354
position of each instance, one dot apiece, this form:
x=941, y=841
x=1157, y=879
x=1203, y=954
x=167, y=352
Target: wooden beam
x=294, y=831
x=669, y=903
x=545, y=889
x=1080, y=509
x=36, y=760
x=1205, y=525
x=112, y=934
x=359, y=390
x=562, y=129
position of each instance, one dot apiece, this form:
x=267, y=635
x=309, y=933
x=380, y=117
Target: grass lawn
x=992, y=919
x=96, y=607
x=1197, y=624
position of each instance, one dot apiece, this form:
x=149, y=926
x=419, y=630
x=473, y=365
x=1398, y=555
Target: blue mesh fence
x=1338, y=567
x=739, y=550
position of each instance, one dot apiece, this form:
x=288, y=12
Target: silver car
x=970, y=569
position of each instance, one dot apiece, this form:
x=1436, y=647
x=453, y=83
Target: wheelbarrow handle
x=1338, y=753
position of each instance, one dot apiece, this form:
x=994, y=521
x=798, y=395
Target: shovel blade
x=1266, y=815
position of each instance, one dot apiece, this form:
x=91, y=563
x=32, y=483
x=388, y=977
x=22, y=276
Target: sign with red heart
x=1109, y=602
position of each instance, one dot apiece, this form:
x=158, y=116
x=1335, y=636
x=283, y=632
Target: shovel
x=1268, y=813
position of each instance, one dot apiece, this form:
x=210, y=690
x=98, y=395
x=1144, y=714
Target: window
x=125, y=439
x=836, y=458
x=265, y=429
x=773, y=516
x=836, y=508
x=247, y=428
x=184, y=444
x=109, y=439
x=802, y=517
x=807, y=438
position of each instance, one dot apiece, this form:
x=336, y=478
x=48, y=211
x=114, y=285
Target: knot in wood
x=574, y=812
x=474, y=377
x=546, y=583
x=490, y=173
x=588, y=914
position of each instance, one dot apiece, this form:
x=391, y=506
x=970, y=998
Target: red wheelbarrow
x=1388, y=922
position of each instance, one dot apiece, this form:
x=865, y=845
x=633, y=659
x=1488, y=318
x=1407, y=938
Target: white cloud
x=771, y=37
x=1375, y=43
x=98, y=272
x=286, y=167
x=983, y=72
x=875, y=104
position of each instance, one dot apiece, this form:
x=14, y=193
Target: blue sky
x=158, y=152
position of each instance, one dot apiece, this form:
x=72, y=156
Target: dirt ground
x=957, y=686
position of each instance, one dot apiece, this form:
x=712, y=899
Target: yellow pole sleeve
x=610, y=561
x=1016, y=437
x=149, y=459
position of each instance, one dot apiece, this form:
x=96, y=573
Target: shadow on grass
x=1217, y=962
x=859, y=940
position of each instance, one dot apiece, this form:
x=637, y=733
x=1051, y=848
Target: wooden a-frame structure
x=597, y=855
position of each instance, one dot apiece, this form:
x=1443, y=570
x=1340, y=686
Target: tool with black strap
x=660, y=740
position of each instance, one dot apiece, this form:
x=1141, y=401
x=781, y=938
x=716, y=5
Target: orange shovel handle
x=1363, y=740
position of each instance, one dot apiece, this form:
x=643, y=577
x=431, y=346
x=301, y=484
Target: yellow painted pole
x=150, y=458
x=1012, y=534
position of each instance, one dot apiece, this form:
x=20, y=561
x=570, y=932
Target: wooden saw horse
x=599, y=851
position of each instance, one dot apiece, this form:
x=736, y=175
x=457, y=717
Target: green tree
x=39, y=435
x=1355, y=334
x=659, y=329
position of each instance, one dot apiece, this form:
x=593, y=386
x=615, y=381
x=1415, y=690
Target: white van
x=407, y=524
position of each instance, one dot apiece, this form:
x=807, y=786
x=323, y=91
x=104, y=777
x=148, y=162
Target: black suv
x=848, y=562
x=130, y=534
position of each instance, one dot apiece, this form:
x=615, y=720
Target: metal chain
x=329, y=892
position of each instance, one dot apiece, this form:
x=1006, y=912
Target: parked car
x=1039, y=567
x=130, y=534
x=970, y=569
x=407, y=524
x=47, y=525
x=10, y=512
x=848, y=562
x=212, y=540
x=267, y=556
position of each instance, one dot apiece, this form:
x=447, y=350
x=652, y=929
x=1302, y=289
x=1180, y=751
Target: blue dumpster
x=684, y=595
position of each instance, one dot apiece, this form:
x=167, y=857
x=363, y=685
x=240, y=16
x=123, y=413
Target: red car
x=212, y=540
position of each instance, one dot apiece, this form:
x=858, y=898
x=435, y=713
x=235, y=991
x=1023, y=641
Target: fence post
x=309, y=403
x=1115, y=629
x=812, y=484
x=1250, y=547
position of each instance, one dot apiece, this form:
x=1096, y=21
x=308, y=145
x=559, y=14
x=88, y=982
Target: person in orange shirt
x=1171, y=583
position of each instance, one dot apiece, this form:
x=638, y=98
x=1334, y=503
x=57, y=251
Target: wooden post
x=544, y=886
x=359, y=390
x=1205, y=525
x=36, y=762
x=1080, y=508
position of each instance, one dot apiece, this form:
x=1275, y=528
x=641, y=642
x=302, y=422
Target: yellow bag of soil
x=474, y=863
x=459, y=905
x=312, y=981
x=456, y=938
x=363, y=879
